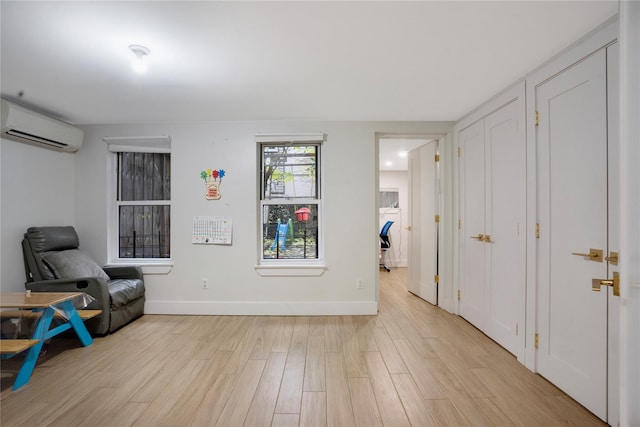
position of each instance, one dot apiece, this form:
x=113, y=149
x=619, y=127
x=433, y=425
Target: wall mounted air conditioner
x=22, y=125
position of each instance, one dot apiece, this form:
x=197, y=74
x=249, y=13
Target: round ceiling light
x=139, y=63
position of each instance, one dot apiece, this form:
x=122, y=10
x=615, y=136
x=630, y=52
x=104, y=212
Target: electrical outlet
x=205, y=283
x=359, y=284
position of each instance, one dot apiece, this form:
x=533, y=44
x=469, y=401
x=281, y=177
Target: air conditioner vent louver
x=36, y=138
x=22, y=125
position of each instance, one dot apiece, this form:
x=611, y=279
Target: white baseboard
x=252, y=308
x=397, y=263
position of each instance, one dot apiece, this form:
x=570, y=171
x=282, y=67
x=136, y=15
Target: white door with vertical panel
x=572, y=186
x=423, y=231
x=505, y=179
x=492, y=238
x=472, y=207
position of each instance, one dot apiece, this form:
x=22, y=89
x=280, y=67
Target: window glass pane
x=289, y=171
x=144, y=176
x=290, y=231
x=389, y=199
x=144, y=231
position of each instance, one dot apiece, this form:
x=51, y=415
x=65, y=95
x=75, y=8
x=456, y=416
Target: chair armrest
x=124, y=272
x=92, y=286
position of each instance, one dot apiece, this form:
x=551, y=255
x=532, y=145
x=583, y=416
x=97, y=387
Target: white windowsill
x=290, y=270
x=150, y=268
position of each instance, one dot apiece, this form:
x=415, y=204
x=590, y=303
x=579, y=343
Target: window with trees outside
x=143, y=205
x=290, y=201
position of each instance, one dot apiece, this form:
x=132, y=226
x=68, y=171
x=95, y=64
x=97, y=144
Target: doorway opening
x=408, y=178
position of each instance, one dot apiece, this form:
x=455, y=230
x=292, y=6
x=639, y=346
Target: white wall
x=397, y=255
x=38, y=188
x=349, y=203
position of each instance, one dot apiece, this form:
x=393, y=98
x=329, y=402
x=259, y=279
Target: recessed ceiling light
x=387, y=164
x=402, y=153
x=139, y=64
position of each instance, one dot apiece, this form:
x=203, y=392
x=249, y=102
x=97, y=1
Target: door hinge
x=516, y=329
x=536, y=341
x=537, y=231
x=459, y=224
x=459, y=295
x=437, y=218
x=436, y=279
x=437, y=158
x=537, y=118
x=459, y=151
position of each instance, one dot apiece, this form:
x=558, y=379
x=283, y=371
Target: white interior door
x=472, y=207
x=423, y=237
x=505, y=257
x=492, y=238
x=572, y=162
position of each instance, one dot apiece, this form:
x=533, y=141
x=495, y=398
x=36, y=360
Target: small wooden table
x=49, y=304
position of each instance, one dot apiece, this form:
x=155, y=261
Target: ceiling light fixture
x=402, y=153
x=139, y=64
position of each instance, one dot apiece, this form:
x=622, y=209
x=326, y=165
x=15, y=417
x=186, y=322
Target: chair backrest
x=40, y=241
x=385, y=229
x=385, y=243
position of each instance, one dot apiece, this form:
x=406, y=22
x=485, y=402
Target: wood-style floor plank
x=239, y=401
x=285, y=420
x=365, y=409
x=290, y=395
x=264, y=400
x=314, y=371
x=413, y=364
x=339, y=409
x=313, y=412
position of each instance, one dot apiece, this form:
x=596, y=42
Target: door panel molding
x=599, y=39
x=572, y=204
x=491, y=202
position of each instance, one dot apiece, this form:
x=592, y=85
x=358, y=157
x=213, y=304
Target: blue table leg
x=43, y=332
x=77, y=323
x=24, y=374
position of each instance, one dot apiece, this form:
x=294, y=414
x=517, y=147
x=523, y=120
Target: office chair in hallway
x=385, y=244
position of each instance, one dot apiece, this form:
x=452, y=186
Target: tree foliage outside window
x=144, y=212
x=290, y=201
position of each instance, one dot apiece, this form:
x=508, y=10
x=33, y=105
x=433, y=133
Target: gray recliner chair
x=53, y=263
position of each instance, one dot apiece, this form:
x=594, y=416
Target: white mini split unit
x=22, y=125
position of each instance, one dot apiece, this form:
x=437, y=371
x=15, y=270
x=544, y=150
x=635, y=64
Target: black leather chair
x=53, y=263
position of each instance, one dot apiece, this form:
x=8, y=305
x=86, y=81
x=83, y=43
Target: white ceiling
x=278, y=60
x=393, y=152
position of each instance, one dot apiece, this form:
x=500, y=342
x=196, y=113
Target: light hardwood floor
x=412, y=365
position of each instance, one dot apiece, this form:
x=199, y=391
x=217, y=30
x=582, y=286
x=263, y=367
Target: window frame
x=161, y=145
x=289, y=266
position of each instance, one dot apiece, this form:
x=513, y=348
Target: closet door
x=472, y=205
x=492, y=239
x=574, y=188
x=505, y=243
